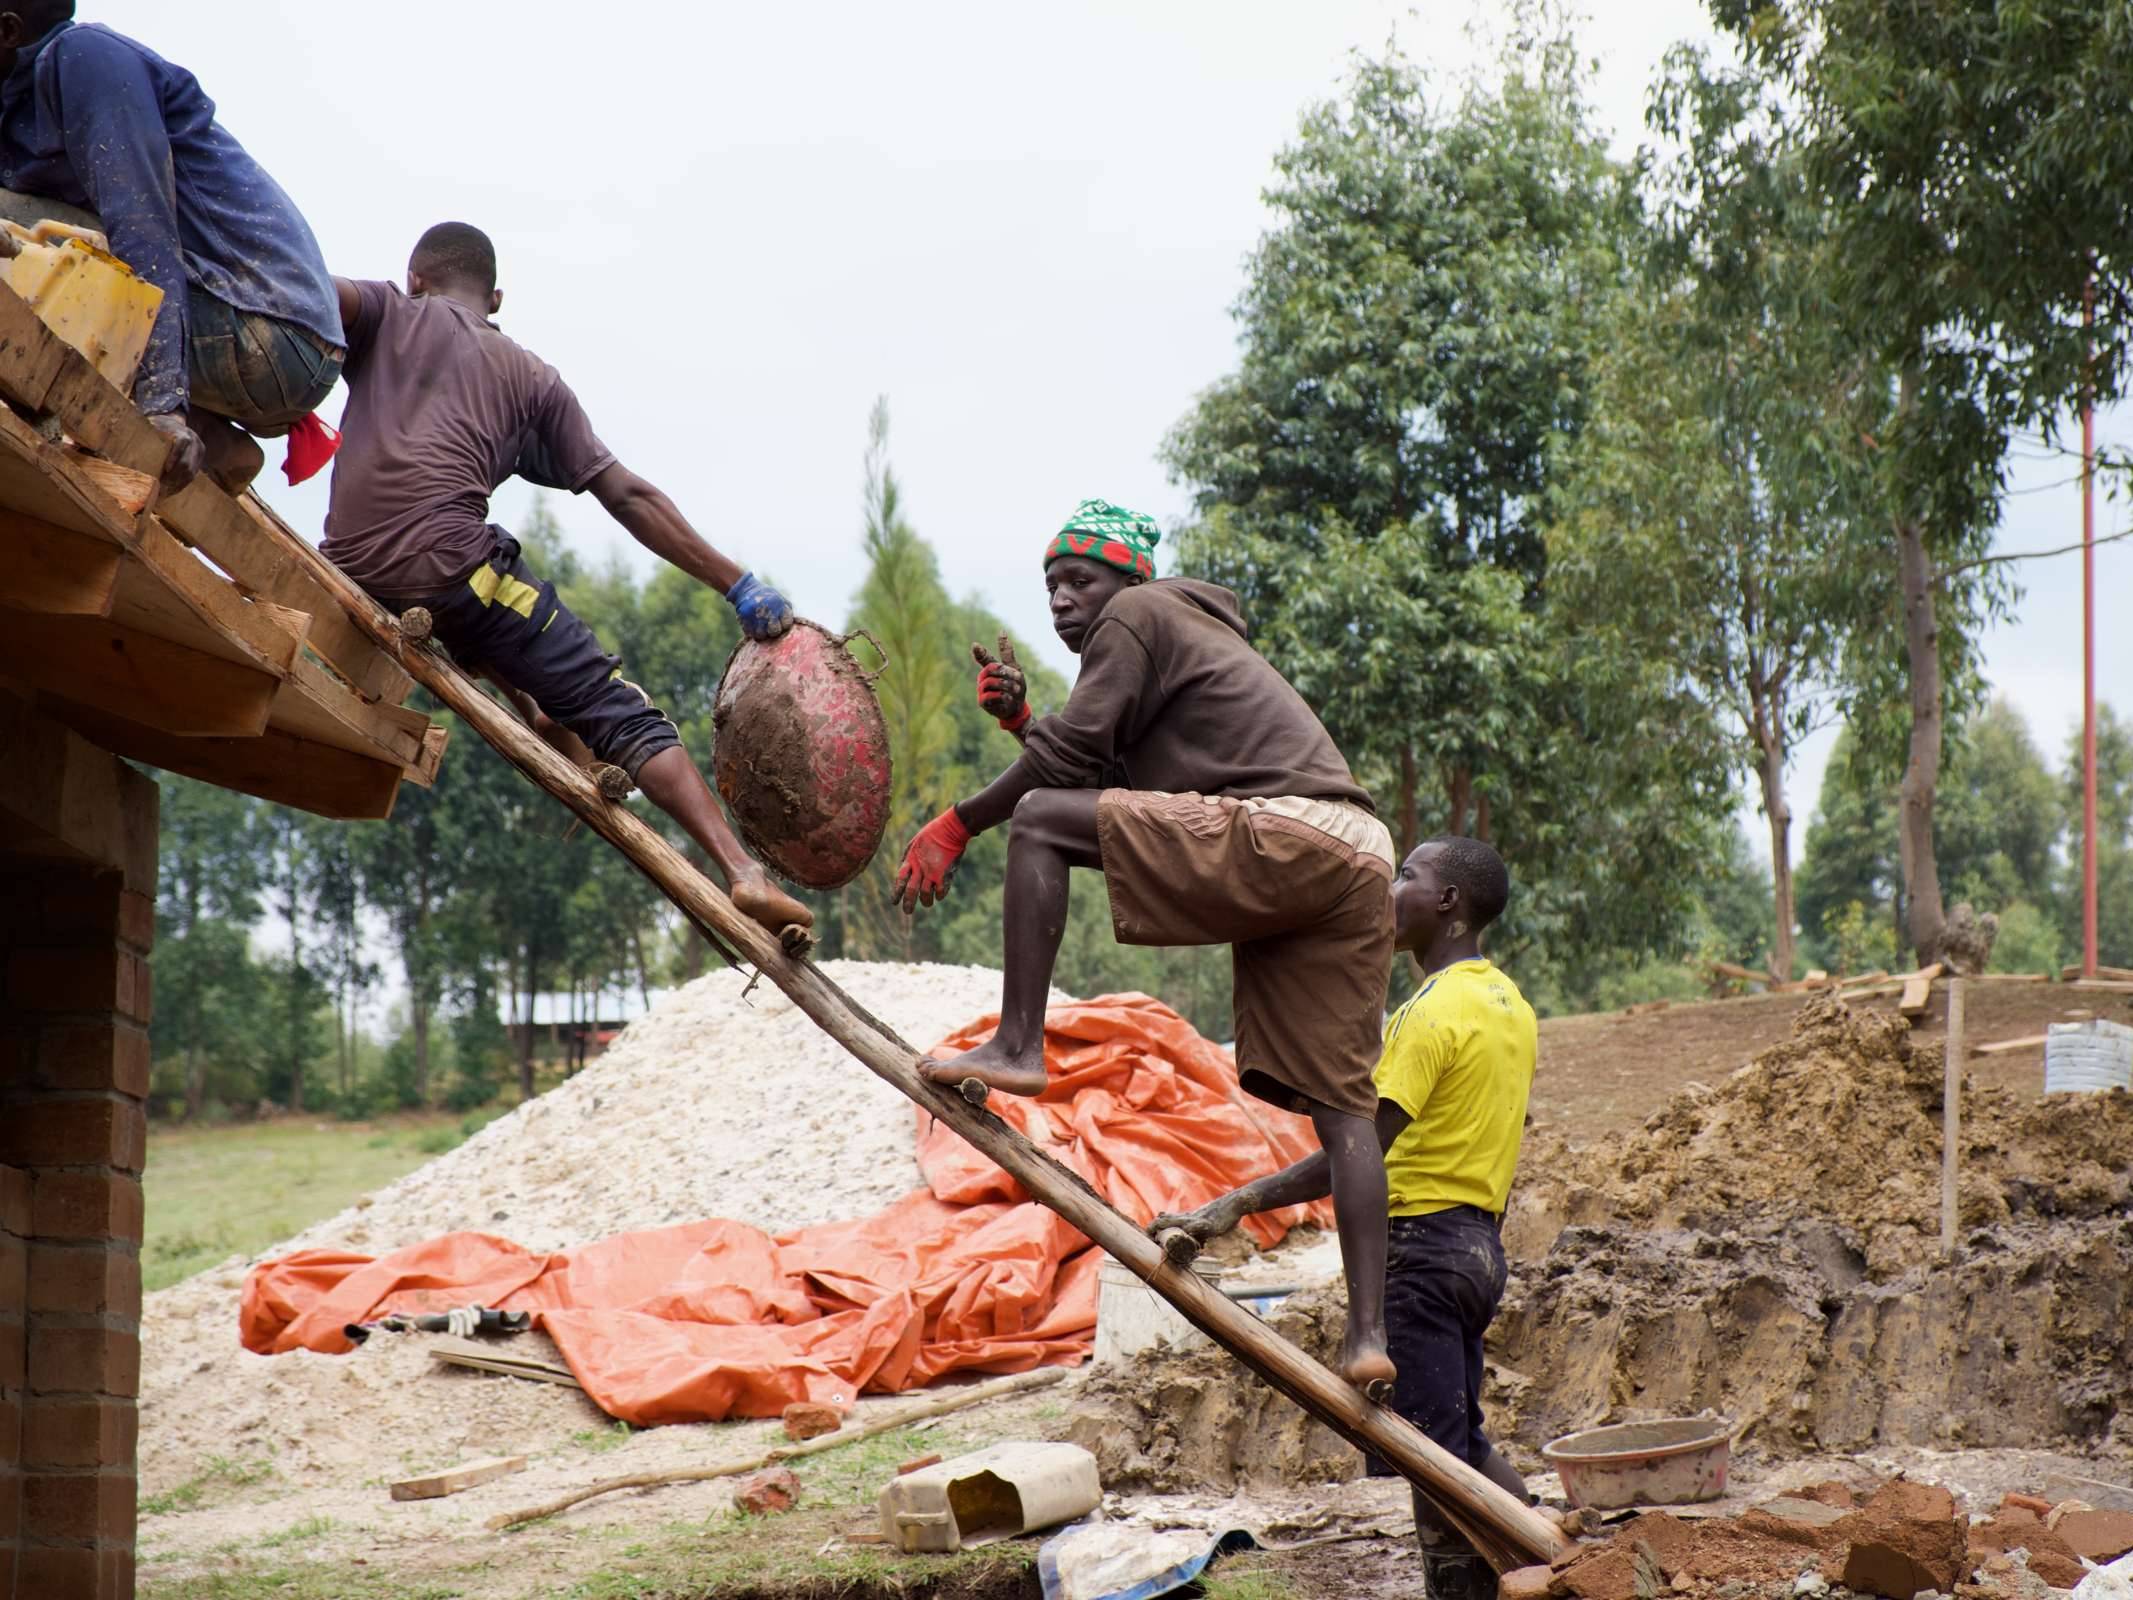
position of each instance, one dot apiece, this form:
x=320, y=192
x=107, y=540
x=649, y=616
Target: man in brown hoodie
x=1219, y=810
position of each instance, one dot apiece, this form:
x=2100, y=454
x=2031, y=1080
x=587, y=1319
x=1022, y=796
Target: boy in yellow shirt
x=1452, y=1085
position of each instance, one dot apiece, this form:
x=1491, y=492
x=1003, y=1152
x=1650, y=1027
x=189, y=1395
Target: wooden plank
x=47, y=374
x=132, y=492
x=1918, y=990
x=424, y=771
x=31, y=355
x=55, y=570
x=1506, y=1531
x=2109, y=985
x=317, y=706
x=172, y=588
x=271, y=765
x=373, y=673
x=486, y=1358
x=2110, y=974
x=468, y=1475
x=2001, y=1047
x=2012, y=977
x=111, y=668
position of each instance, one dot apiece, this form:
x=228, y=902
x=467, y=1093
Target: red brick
x=7, y=1569
x=58, y=1570
x=83, y=1505
x=76, y=1131
x=87, y=1205
x=71, y=980
x=14, y=1270
x=79, y=1433
x=84, y=1361
x=10, y=1507
x=76, y=906
x=14, y=1201
x=137, y=919
x=114, y=1572
x=18, y=1051
x=94, y=1055
x=93, y=1279
x=14, y=1354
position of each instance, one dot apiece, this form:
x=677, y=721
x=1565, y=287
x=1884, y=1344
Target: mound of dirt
x=2025, y=1341
x=1841, y=1122
x=719, y=1104
x=1765, y=1249
x=1200, y=1420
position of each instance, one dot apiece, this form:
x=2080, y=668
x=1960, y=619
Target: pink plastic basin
x=1672, y=1462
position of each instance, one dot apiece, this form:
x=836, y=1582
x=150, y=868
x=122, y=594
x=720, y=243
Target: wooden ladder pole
x=1509, y=1533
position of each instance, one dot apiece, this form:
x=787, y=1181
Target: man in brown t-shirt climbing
x=1219, y=810
x=442, y=408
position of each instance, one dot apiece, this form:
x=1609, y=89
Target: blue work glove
x=764, y=613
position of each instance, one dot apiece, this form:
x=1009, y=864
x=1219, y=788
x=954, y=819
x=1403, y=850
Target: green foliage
x=2006, y=832
x=1718, y=506
x=925, y=680
x=1417, y=332
x=1853, y=940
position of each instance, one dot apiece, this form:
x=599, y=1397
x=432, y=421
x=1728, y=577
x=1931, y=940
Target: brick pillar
x=73, y=1134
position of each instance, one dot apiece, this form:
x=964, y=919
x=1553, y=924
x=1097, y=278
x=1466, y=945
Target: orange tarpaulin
x=708, y=1320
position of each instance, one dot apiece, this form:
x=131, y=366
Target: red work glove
x=929, y=861
x=1003, y=693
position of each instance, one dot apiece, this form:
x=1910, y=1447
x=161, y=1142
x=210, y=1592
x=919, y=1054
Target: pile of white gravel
x=711, y=1106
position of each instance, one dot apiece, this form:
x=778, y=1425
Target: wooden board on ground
x=2000, y=1047
x=490, y=1358
x=2012, y=977
x=2118, y=974
x=1918, y=990
x=435, y=1485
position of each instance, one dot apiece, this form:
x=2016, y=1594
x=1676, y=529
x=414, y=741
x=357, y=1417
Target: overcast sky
x=731, y=227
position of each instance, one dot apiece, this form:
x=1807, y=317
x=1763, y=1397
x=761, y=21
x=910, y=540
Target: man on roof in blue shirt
x=249, y=337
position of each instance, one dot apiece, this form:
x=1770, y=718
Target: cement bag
x=803, y=755
x=2082, y=1057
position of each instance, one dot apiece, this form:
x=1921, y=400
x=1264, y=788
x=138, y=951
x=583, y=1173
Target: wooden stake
x=1506, y=1531
x=939, y=1406
x=1951, y=1115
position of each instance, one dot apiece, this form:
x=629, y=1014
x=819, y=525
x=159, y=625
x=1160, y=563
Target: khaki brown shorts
x=1308, y=917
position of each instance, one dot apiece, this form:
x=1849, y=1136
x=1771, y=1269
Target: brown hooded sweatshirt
x=1171, y=697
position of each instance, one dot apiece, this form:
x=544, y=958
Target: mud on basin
x=1675, y=1461
x=802, y=756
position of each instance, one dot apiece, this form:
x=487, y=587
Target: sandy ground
x=254, y=1466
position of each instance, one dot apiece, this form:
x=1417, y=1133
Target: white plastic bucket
x=2084, y=1057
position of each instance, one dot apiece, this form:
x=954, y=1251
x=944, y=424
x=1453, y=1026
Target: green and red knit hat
x=1101, y=531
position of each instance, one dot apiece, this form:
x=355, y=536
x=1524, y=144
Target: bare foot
x=755, y=894
x=1370, y=1369
x=992, y=1065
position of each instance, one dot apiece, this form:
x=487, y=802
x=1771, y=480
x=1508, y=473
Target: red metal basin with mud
x=803, y=756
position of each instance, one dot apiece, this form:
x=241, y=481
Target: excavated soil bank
x=1765, y=1249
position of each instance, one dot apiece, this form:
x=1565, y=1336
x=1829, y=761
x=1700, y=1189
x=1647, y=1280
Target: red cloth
x=311, y=445
x=709, y=1320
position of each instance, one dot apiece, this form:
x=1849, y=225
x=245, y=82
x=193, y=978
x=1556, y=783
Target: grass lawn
x=218, y=1191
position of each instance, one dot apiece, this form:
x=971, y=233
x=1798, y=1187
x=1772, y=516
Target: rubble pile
x=1899, y=1540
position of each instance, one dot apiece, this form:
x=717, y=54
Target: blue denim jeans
x=261, y=373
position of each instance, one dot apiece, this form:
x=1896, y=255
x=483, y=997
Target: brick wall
x=74, y=1009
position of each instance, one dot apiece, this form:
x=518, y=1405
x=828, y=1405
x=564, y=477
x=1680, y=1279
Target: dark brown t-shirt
x=1172, y=697
x=442, y=408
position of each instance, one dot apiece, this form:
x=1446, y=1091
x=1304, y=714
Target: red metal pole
x=2088, y=666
